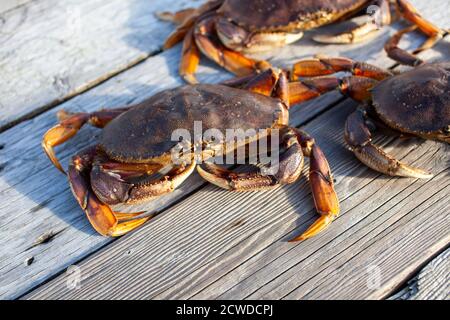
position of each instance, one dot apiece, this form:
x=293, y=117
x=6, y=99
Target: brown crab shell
x=286, y=15
x=144, y=133
x=416, y=101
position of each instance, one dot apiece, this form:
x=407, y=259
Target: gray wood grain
x=51, y=50
x=6, y=5
x=36, y=200
x=431, y=283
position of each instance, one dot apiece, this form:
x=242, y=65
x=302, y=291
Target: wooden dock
x=390, y=241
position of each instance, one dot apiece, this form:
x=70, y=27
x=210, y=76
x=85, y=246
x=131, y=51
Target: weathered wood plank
x=431, y=283
x=213, y=232
x=6, y=5
x=25, y=182
x=52, y=50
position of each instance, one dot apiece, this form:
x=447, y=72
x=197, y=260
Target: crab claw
x=55, y=136
x=66, y=129
x=102, y=218
x=215, y=176
x=377, y=159
x=230, y=180
x=359, y=138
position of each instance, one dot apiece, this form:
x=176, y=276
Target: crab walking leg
x=398, y=54
x=356, y=87
x=239, y=82
x=322, y=186
x=404, y=57
x=69, y=126
x=100, y=215
x=230, y=60
x=263, y=83
x=325, y=66
x=189, y=22
x=271, y=82
x=410, y=13
x=301, y=91
x=434, y=34
x=282, y=89
x=359, y=139
x=178, y=17
x=190, y=58
x=364, y=31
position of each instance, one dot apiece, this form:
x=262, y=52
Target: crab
x=412, y=103
x=226, y=31
x=136, y=144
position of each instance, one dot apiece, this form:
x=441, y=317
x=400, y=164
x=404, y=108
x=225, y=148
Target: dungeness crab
x=226, y=30
x=136, y=143
x=413, y=103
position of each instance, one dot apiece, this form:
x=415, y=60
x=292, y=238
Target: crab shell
x=268, y=22
x=417, y=101
x=144, y=133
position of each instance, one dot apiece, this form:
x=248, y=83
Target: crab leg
x=356, y=87
x=232, y=61
x=271, y=82
x=190, y=58
x=359, y=138
x=188, y=22
x=434, y=34
x=325, y=66
x=404, y=57
x=301, y=91
x=411, y=14
x=365, y=77
x=398, y=54
x=69, y=126
x=263, y=83
x=229, y=180
x=178, y=17
x=322, y=186
x=362, y=32
x=100, y=215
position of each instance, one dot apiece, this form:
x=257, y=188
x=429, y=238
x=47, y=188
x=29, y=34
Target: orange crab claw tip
x=126, y=227
x=164, y=15
x=51, y=155
x=214, y=179
x=190, y=78
x=319, y=225
x=62, y=115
